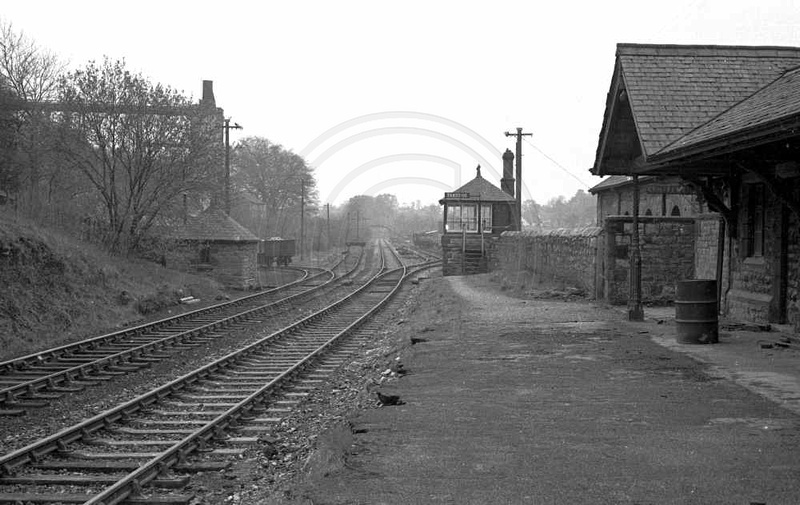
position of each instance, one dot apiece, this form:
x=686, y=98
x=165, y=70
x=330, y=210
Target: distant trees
x=135, y=145
x=278, y=179
x=560, y=212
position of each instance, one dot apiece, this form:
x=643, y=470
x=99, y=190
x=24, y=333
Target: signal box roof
x=478, y=189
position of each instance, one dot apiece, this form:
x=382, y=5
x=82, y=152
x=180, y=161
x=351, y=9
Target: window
x=676, y=211
x=648, y=212
x=462, y=218
x=486, y=218
x=755, y=220
x=205, y=253
x=465, y=218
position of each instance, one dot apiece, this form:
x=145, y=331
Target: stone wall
x=707, y=230
x=233, y=264
x=755, y=282
x=565, y=257
x=667, y=251
x=619, y=202
x=465, y=254
x=793, y=272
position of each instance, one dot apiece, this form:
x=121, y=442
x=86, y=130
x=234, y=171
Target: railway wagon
x=277, y=250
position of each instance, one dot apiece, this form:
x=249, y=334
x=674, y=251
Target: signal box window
x=464, y=218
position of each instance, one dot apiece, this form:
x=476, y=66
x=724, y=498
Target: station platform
x=535, y=401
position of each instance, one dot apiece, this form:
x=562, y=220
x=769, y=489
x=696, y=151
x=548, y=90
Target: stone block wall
x=667, y=251
x=465, y=254
x=755, y=294
x=566, y=257
x=707, y=228
x=793, y=272
x=233, y=264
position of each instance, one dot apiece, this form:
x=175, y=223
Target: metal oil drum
x=696, y=312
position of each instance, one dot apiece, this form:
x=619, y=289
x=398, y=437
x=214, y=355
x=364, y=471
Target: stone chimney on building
x=507, y=182
x=208, y=95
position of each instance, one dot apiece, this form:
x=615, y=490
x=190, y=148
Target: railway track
x=132, y=453
x=31, y=381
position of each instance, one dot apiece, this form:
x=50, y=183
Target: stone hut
x=214, y=243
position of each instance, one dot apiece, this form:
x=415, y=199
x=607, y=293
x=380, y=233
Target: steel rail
x=150, y=470
x=82, y=373
x=55, y=352
x=69, y=435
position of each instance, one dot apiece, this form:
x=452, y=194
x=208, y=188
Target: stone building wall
x=233, y=264
x=793, y=272
x=707, y=228
x=465, y=254
x=667, y=251
x=755, y=282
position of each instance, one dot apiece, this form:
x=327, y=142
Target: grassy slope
x=55, y=289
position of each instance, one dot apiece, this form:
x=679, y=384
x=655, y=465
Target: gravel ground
x=549, y=399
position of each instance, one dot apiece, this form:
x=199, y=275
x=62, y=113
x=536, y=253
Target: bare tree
x=137, y=144
x=30, y=71
x=30, y=76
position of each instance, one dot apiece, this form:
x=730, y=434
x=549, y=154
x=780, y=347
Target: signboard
x=456, y=195
x=669, y=189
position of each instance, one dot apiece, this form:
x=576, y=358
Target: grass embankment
x=56, y=289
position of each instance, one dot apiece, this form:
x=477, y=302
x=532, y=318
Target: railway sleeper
x=83, y=498
x=197, y=405
x=224, y=451
x=198, y=413
x=126, y=466
x=152, y=432
x=87, y=480
x=204, y=398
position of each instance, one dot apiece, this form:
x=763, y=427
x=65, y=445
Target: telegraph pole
x=227, y=127
x=302, y=216
x=328, y=223
x=518, y=194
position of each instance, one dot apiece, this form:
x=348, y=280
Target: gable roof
x=672, y=90
x=610, y=182
x=618, y=181
x=481, y=189
x=214, y=225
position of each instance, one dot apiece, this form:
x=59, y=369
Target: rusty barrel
x=696, y=312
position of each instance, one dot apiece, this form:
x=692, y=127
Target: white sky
x=457, y=74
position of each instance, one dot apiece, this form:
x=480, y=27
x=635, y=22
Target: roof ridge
x=709, y=50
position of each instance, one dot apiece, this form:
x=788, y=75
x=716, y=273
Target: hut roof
x=213, y=224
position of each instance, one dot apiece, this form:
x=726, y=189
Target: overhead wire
x=556, y=163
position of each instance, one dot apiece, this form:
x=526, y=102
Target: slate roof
x=614, y=181
x=685, y=96
x=480, y=188
x=675, y=89
x=213, y=225
x=773, y=103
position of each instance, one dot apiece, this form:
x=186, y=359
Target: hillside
x=57, y=289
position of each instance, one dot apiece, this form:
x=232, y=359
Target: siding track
x=30, y=381
x=136, y=451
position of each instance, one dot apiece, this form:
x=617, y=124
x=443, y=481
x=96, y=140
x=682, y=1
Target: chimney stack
x=507, y=182
x=208, y=94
